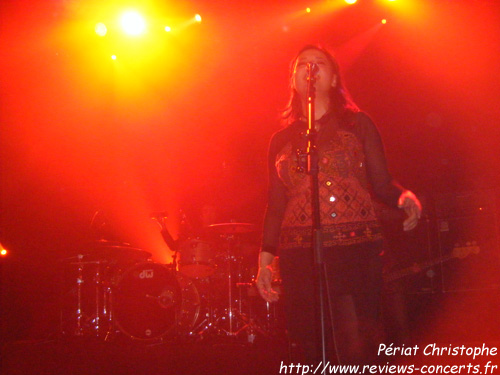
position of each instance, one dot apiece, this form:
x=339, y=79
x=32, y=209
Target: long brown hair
x=341, y=103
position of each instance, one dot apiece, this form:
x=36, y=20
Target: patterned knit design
x=346, y=210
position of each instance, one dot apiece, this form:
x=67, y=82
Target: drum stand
x=207, y=325
x=233, y=322
x=265, y=324
x=89, y=320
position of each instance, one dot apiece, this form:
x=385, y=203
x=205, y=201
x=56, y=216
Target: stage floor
x=91, y=356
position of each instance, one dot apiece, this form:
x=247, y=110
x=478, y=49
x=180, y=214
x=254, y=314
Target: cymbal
x=82, y=263
x=232, y=228
x=122, y=253
x=106, y=243
x=116, y=251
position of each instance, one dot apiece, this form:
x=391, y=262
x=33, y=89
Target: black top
x=352, y=167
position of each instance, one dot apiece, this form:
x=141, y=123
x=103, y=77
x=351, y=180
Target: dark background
x=185, y=119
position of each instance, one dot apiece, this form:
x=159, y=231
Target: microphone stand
x=317, y=241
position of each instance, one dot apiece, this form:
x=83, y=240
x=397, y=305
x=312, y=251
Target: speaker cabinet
x=469, y=252
x=408, y=257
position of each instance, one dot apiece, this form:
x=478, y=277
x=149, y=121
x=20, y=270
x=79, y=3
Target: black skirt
x=354, y=277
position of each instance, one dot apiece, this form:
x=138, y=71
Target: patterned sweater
x=352, y=166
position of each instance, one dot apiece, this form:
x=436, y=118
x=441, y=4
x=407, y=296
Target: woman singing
x=352, y=170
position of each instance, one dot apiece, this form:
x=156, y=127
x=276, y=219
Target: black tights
x=354, y=287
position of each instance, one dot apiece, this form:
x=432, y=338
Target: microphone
x=312, y=69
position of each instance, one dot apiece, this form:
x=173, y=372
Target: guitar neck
x=458, y=252
x=416, y=268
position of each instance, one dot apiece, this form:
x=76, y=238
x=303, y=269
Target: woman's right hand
x=264, y=286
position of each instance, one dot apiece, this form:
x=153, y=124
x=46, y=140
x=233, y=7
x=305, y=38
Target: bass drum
x=152, y=301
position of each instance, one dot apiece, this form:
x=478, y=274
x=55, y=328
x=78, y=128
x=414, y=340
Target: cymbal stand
x=230, y=239
x=237, y=322
x=79, y=283
x=92, y=315
x=104, y=290
x=108, y=311
x=229, y=313
x=252, y=323
x=102, y=322
x=97, y=281
x=270, y=318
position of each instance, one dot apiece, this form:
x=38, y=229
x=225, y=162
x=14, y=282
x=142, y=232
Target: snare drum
x=151, y=301
x=196, y=258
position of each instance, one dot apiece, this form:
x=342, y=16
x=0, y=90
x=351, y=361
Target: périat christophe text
x=436, y=350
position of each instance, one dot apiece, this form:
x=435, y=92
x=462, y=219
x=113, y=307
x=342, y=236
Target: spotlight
x=133, y=23
x=351, y=1
x=100, y=29
x=3, y=252
x=308, y=10
x=384, y=21
x=168, y=29
x=113, y=57
x=197, y=18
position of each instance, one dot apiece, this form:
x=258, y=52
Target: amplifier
x=469, y=248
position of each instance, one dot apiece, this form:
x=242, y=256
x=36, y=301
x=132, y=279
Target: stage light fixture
x=351, y=1
x=100, y=29
x=168, y=29
x=113, y=57
x=384, y=21
x=197, y=18
x=308, y=10
x=133, y=23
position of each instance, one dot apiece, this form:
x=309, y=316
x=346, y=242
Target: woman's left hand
x=410, y=203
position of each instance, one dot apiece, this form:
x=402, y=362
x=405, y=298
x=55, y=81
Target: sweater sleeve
x=276, y=201
x=385, y=188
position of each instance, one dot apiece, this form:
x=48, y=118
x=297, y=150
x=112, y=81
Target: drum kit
x=115, y=290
